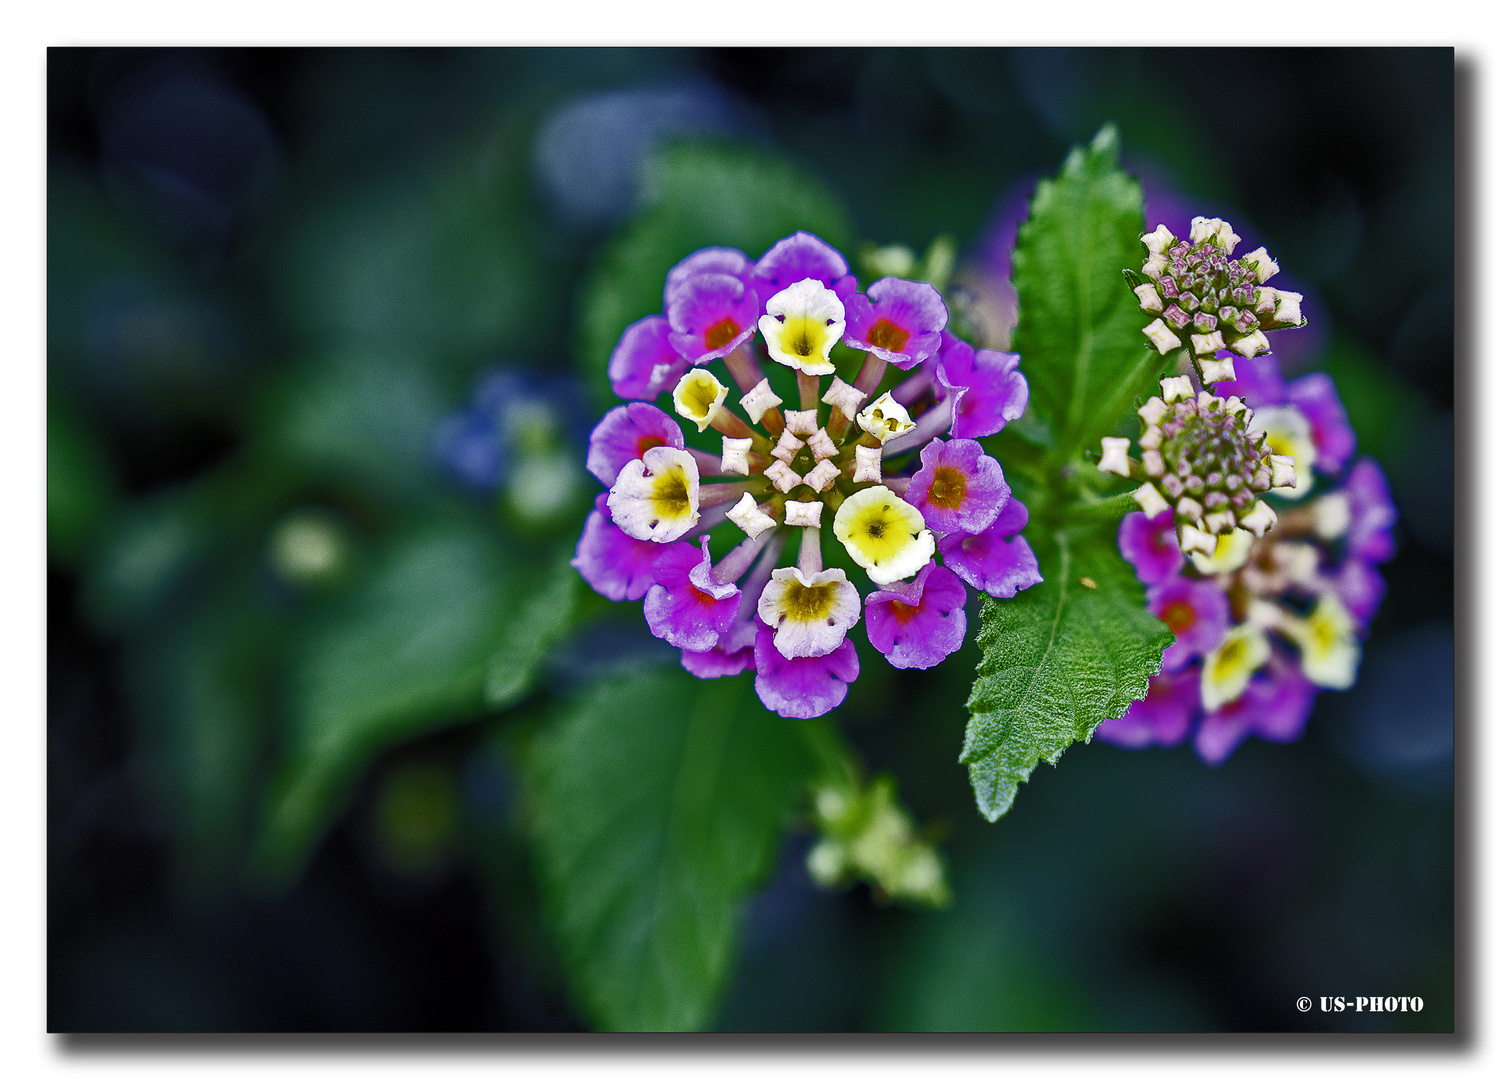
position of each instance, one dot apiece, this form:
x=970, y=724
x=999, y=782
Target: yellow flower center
x=948, y=488
x=808, y=603
x=669, y=494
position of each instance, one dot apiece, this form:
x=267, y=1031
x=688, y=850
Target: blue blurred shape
x=187, y=149
x=512, y=411
x=588, y=155
x=1399, y=719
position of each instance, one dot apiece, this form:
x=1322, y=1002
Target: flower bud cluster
x=865, y=833
x=1201, y=459
x=1208, y=301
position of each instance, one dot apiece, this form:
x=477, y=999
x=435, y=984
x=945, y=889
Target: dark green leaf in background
x=407, y=651
x=1079, y=330
x=698, y=194
x=1056, y=660
x=81, y=486
x=656, y=802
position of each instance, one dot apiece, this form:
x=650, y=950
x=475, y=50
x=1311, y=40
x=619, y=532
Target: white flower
x=801, y=324
x=1220, y=521
x=885, y=419
x=867, y=464
x=1150, y=500
x=787, y=446
x=822, y=476
x=1228, y=669
x=734, y=456
x=1223, y=554
x=1289, y=307
x=783, y=476
x=1159, y=239
x=698, y=397
x=844, y=397
x=1207, y=343
x=1262, y=263
x=1192, y=539
x=1266, y=300
x=1151, y=460
x=822, y=446
x=1147, y=294
x=1214, y=230
x=1113, y=456
x=1160, y=336
x=1326, y=639
x=810, y=615
x=1176, y=388
x=883, y=534
x=759, y=400
x=655, y=497
x=751, y=519
x=1215, y=371
x=1154, y=266
x=1189, y=508
x=1290, y=438
x=1153, y=411
x=802, y=421
x=1258, y=519
x=1331, y=516
x=1251, y=344
x=806, y=514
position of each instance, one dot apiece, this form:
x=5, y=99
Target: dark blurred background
x=235, y=235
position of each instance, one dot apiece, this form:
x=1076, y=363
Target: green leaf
x=542, y=620
x=655, y=803
x=81, y=487
x=700, y=194
x=1056, y=660
x=408, y=651
x=1079, y=331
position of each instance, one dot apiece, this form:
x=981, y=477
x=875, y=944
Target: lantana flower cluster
x=1265, y=620
x=787, y=473
x=1216, y=305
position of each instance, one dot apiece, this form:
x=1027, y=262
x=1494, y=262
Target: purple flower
x=959, y=489
x=626, y=433
x=479, y=444
x=1258, y=380
x=616, y=566
x=1162, y=718
x=717, y=663
x=917, y=623
x=709, y=260
x=1372, y=513
x=1359, y=587
x=996, y=561
x=896, y=320
x=1316, y=396
x=1198, y=614
x=644, y=363
x=1275, y=706
x=712, y=315
x=807, y=686
x=799, y=257
x=686, y=607
x=986, y=388
x=1150, y=546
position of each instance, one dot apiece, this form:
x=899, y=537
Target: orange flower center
x=1178, y=616
x=904, y=613
x=948, y=488
x=721, y=334
x=884, y=335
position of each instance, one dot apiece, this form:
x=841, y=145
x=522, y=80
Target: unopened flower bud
x=1113, y=456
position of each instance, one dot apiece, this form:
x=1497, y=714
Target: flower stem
x=871, y=374
x=745, y=369
x=807, y=389
x=810, y=554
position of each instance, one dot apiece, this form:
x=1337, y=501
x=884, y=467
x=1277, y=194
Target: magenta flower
x=959, y=489
x=719, y=662
x=918, y=623
x=985, y=387
x=1372, y=513
x=686, y=607
x=626, y=433
x=899, y=321
x=1198, y=614
x=799, y=257
x=997, y=561
x=644, y=363
x=1162, y=718
x=1150, y=546
x=616, y=566
x=709, y=260
x=1275, y=706
x=711, y=315
x=804, y=687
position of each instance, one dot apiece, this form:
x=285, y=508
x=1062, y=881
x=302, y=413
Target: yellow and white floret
x=1228, y=669
x=810, y=613
x=1326, y=639
x=655, y=497
x=698, y=397
x=885, y=418
x=883, y=534
x=801, y=324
